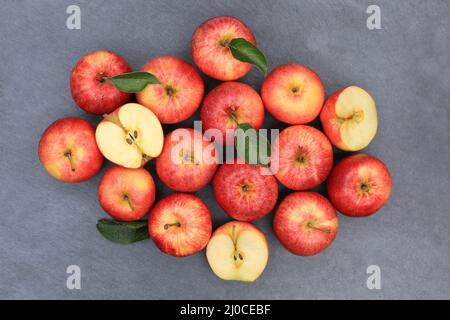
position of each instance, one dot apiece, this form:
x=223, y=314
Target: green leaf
x=123, y=232
x=245, y=51
x=133, y=82
x=251, y=145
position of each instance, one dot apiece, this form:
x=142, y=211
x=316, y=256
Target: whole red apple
x=229, y=104
x=89, y=84
x=188, y=160
x=304, y=157
x=305, y=223
x=243, y=192
x=68, y=150
x=126, y=194
x=359, y=185
x=210, y=50
x=293, y=93
x=180, y=93
x=180, y=224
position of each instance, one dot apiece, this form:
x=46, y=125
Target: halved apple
x=130, y=136
x=349, y=118
x=238, y=251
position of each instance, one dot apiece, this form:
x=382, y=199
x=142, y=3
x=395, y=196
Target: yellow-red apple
x=349, y=118
x=68, y=151
x=90, y=85
x=293, y=93
x=243, y=192
x=210, y=50
x=238, y=251
x=180, y=224
x=359, y=185
x=126, y=194
x=179, y=93
x=304, y=157
x=305, y=223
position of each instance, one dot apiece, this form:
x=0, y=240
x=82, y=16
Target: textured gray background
x=46, y=225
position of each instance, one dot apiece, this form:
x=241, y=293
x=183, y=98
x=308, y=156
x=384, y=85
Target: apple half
x=130, y=136
x=238, y=251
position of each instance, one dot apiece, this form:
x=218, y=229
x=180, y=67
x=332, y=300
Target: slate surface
x=46, y=225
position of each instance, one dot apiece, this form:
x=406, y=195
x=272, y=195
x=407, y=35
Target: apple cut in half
x=349, y=118
x=238, y=251
x=130, y=136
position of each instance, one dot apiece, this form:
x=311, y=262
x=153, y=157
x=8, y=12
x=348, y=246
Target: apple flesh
x=243, y=192
x=180, y=93
x=349, y=118
x=304, y=157
x=130, y=136
x=180, y=224
x=210, y=50
x=293, y=93
x=305, y=223
x=68, y=151
x=126, y=194
x=238, y=251
x=359, y=185
x=187, y=162
x=90, y=85
x=229, y=104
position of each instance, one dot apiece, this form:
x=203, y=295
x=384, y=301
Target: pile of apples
x=130, y=134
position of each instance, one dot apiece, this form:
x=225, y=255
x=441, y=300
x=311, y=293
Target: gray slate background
x=46, y=225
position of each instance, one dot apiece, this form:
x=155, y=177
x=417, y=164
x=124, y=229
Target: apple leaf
x=133, y=82
x=123, y=232
x=245, y=51
x=251, y=145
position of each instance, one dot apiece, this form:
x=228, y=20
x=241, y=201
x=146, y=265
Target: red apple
x=210, y=50
x=293, y=93
x=89, y=84
x=359, y=185
x=305, y=223
x=180, y=93
x=68, y=151
x=349, y=118
x=188, y=160
x=304, y=157
x=126, y=194
x=243, y=192
x=180, y=224
x=229, y=104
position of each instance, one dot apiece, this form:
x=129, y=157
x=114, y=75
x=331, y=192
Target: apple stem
x=311, y=226
x=168, y=225
x=127, y=199
x=68, y=155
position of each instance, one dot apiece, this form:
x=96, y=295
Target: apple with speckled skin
x=210, y=50
x=126, y=194
x=359, y=185
x=90, y=83
x=305, y=223
x=304, y=157
x=244, y=192
x=179, y=93
x=180, y=224
x=68, y=150
x=293, y=93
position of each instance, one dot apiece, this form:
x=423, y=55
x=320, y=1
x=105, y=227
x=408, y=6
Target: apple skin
x=293, y=93
x=304, y=157
x=180, y=93
x=68, y=150
x=126, y=194
x=182, y=174
x=305, y=223
x=180, y=224
x=231, y=103
x=359, y=185
x=243, y=192
x=89, y=91
x=210, y=52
